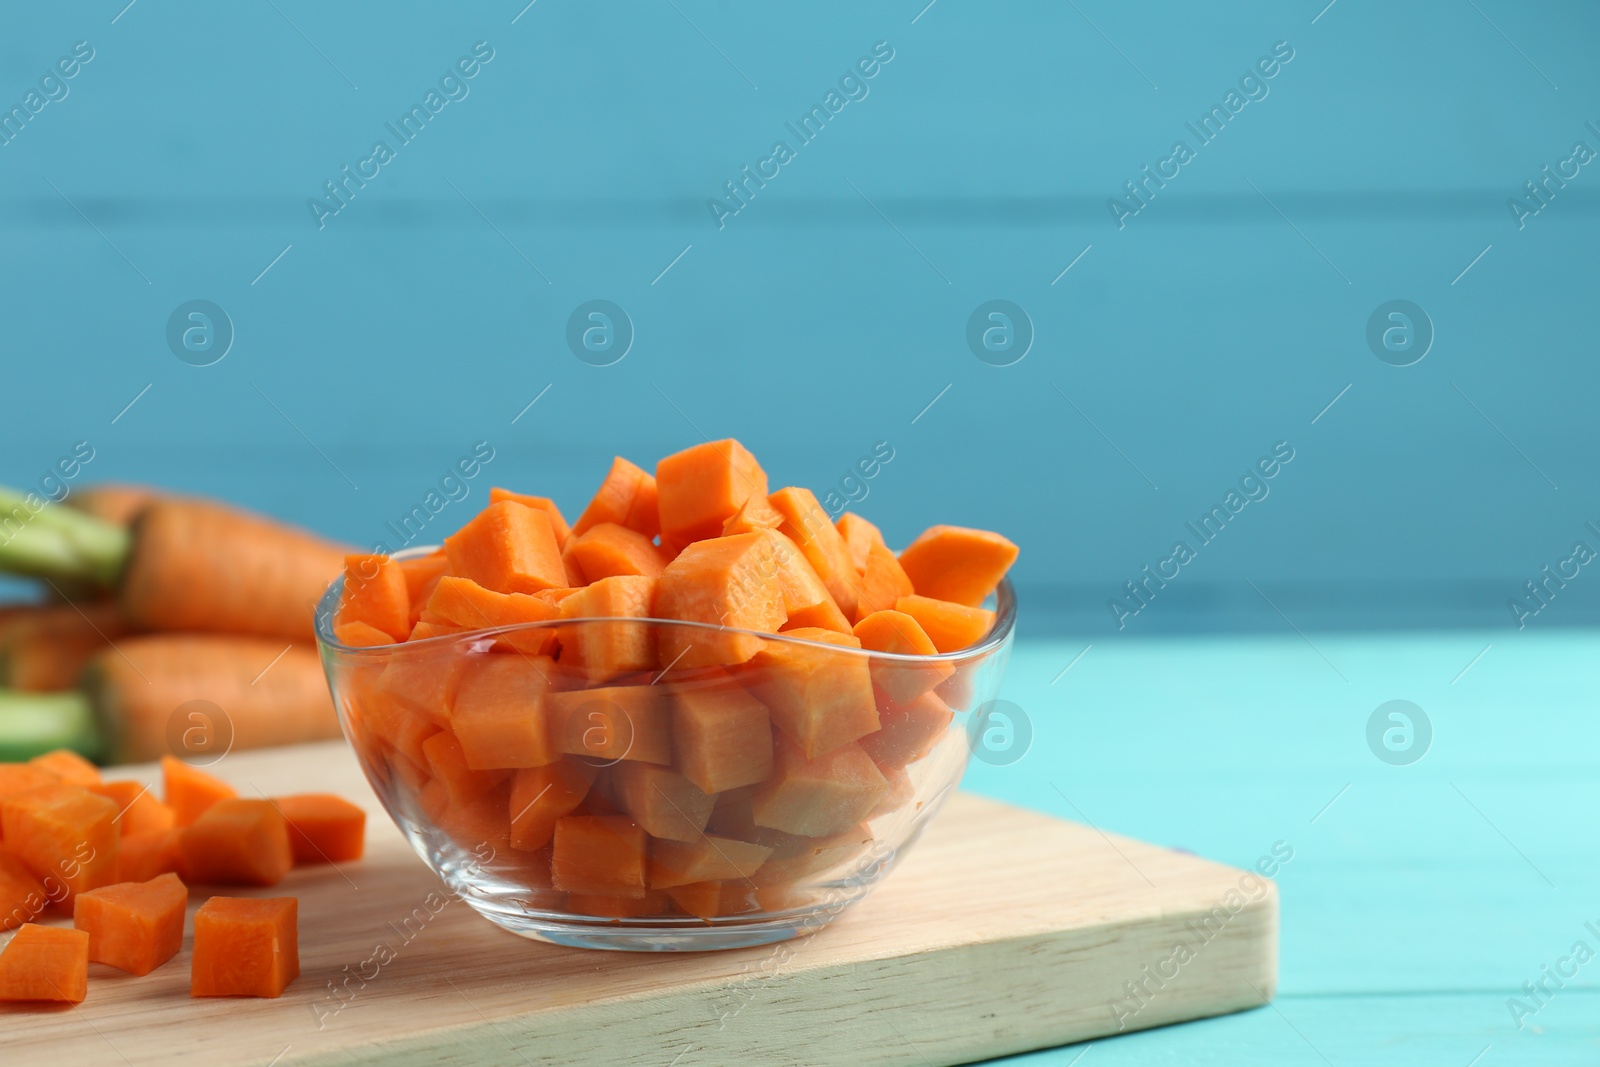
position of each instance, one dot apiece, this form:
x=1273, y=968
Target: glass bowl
x=656, y=785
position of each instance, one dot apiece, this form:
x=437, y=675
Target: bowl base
x=643, y=936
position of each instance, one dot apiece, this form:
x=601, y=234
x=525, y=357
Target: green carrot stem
x=46, y=540
x=35, y=723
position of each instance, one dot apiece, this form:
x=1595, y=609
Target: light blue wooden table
x=1420, y=898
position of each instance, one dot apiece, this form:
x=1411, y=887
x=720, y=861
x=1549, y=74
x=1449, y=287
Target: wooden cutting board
x=1002, y=931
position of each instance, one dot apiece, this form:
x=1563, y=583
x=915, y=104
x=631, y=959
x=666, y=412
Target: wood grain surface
x=1003, y=930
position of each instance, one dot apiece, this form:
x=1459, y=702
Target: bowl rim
x=1000, y=630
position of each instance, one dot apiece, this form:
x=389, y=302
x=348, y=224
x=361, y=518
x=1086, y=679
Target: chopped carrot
x=245, y=948
x=599, y=854
x=424, y=629
x=45, y=963
x=883, y=582
x=448, y=765
x=950, y=626
x=484, y=821
x=141, y=857
x=508, y=547
x=463, y=602
x=189, y=791
x=626, y=497
x=422, y=574
x=541, y=795
x=607, y=649
x=558, y=522
x=606, y=549
x=708, y=900
x=323, y=828
x=806, y=600
x=708, y=858
x=702, y=487
x=898, y=633
x=133, y=926
x=604, y=906
x=499, y=717
x=68, y=766
x=376, y=593
x=957, y=564
x=138, y=810
x=859, y=537
x=358, y=634
x=66, y=835
x=724, y=581
x=612, y=723
x=820, y=697
x=237, y=842
x=661, y=800
x=909, y=731
x=22, y=895
x=424, y=680
x=721, y=736
x=807, y=525
x=21, y=777
x=820, y=797
x=756, y=513
x=901, y=792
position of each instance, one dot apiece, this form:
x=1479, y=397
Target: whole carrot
x=45, y=649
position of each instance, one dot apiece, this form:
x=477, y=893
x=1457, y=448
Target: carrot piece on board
x=358, y=634
x=599, y=854
x=141, y=857
x=705, y=859
x=138, y=810
x=909, y=731
x=422, y=574
x=859, y=536
x=724, y=581
x=756, y=513
x=607, y=649
x=721, y=735
x=606, y=549
x=375, y=592
x=68, y=766
x=558, y=521
x=245, y=948
x=957, y=564
x=883, y=582
x=21, y=777
x=499, y=717
x=820, y=797
x=820, y=697
x=898, y=633
x=448, y=765
x=463, y=602
x=806, y=600
x=189, y=791
x=238, y=842
x=22, y=895
x=66, y=835
x=508, y=547
x=626, y=497
x=541, y=795
x=133, y=926
x=807, y=525
x=323, y=828
x=45, y=963
x=950, y=626
x=703, y=486
x=661, y=800
x=610, y=723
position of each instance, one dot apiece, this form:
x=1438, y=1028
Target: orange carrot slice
x=323, y=828
x=599, y=854
x=859, y=536
x=499, y=718
x=883, y=582
x=626, y=497
x=702, y=487
x=909, y=731
x=721, y=736
x=557, y=521
x=133, y=926
x=68, y=766
x=661, y=800
x=607, y=649
x=726, y=581
x=807, y=525
x=607, y=549
x=45, y=963
x=612, y=723
x=950, y=626
x=541, y=795
x=65, y=835
x=819, y=697
x=463, y=602
x=820, y=797
x=189, y=791
x=237, y=842
x=706, y=859
x=245, y=948
x=138, y=810
x=141, y=857
x=422, y=573
x=375, y=592
x=508, y=547
x=358, y=634
x=899, y=633
x=957, y=564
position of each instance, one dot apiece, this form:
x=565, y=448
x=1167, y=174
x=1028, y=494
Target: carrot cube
x=610, y=907
x=509, y=548
x=323, y=828
x=541, y=795
x=45, y=963
x=68, y=766
x=626, y=497
x=237, y=842
x=607, y=549
x=883, y=582
x=612, y=723
x=756, y=513
x=484, y=821
x=820, y=797
x=898, y=633
x=950, y=626
x=708, y=859
x=662, y=801
x=190, y=791
x=422, y=574
x=558, y=522
x=22, y=896
x=806, y=599
x=20, y=777
x=141, y=857
x=133, y=926
x=859, y=537
x=723, y=581
x=722, y=736
x=807, y=525
x=66, y=835
x=599, y=854
x=245, y=948
x=820, y=697
x=358, y=634
x=375, y=593
x=707, y=900
x=447, y=762
x=499, y=717
x=464, y=603
x=957, y=564
x=701, y=487
x=607, y=649
x=909, y=731
x=138, y=810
